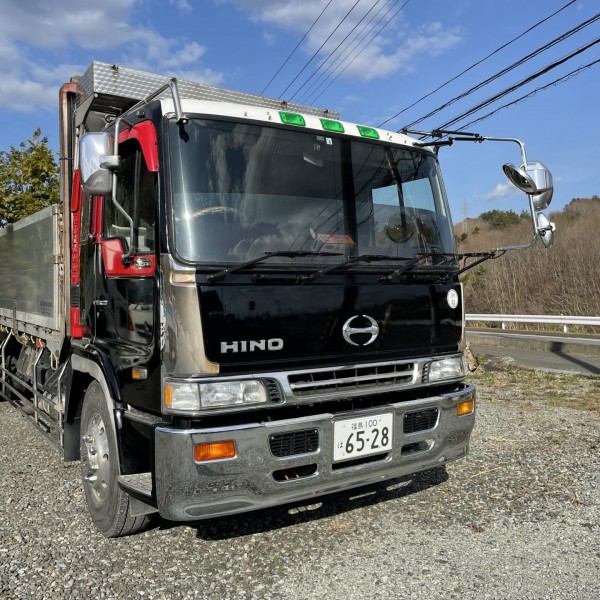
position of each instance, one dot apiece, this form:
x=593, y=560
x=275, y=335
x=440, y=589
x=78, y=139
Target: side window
x=146, y=208
x=136, y=193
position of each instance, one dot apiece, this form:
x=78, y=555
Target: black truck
x=239, y=302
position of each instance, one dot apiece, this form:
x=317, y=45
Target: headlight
x=191, y=397
x=232, y=393
x=446, y=368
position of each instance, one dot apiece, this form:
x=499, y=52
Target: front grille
x=370, y=378
x=273, y=390
x=420, y=420
x=294, y=442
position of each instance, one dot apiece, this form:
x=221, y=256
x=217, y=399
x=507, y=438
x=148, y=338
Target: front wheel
x=107, y=502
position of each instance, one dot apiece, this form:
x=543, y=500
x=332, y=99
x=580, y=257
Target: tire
x=107, y=502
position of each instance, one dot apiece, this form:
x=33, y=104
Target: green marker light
x=292, y=119
x=330, y=125
x=368, y=132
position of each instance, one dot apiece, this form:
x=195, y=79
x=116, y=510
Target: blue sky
x=240, y=44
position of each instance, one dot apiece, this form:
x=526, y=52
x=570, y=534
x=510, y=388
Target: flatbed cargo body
x=31, y=276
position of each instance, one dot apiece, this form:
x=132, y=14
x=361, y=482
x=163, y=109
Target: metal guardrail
x=541, y=319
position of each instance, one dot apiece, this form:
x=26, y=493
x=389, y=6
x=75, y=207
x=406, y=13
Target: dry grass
x=535, y=389
x=562, y=280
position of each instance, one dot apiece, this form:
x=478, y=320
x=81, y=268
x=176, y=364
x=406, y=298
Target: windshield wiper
x=414, y=262
x=287, y=253
x=352, y=260
x=480, y=256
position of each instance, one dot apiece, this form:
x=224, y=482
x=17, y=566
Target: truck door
x=125, y=291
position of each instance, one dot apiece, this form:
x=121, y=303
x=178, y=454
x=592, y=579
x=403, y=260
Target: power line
x=322, y=65
x=554, y=83
x=516, y=86
x=476, y=64
x=296, y=48
x=316, y=84
x=314, y=98
x=319, y=50
x=506, y=70
x=340, y=60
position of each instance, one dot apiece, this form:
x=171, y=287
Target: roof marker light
x=330, y=125
x=292, y=119
x=368, y=132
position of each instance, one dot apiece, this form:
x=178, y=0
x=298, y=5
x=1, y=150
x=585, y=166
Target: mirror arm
x=529, y=196
x=460, y=136
x=464, y=136
x=481, y=257
x=126, y=258
x=535, y=230
x=171, y=85
x=515, y=140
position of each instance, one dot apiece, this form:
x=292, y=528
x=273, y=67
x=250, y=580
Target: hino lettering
x=190, y=215
x=252, y=345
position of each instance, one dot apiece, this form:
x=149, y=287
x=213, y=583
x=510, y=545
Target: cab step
x=141, y=496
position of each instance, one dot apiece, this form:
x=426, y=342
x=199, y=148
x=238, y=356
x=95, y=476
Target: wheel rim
x=96, y=458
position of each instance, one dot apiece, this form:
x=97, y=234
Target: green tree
x=459, y=239
x=29, y=179
x=499, y=219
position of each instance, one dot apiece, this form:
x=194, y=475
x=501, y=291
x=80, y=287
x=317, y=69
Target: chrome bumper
x=186, y=490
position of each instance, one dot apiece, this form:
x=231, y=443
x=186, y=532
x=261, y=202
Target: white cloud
x=34, y=33
x=395, y=50
x=57, y=24
x=268, y=38
x=502, y=190
x=151, y=52
x=25, y=96
x=182, y=5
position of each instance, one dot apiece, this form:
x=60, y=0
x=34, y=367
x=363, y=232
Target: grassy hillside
x=564, y=279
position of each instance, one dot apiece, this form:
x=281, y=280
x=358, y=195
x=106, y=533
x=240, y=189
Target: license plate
x=354, y=438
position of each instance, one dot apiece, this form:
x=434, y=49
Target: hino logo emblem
x=272, y=345
x=348, y=330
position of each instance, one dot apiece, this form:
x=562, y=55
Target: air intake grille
x=356, y=379
x=421, y=420
x=294, y=442
x=273, y=390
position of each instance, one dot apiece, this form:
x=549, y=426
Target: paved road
x=567, y=353
x=538, y=359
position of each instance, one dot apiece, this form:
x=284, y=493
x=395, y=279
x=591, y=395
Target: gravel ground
x=519, y=518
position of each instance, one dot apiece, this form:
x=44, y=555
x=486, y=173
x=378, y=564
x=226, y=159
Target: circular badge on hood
x=452, y=298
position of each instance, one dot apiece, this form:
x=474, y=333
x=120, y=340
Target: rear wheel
x=107, y=502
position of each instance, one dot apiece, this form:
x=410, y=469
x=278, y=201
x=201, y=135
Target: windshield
x=240, y=190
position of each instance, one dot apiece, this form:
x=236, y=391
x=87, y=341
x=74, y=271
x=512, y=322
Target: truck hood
x=276, y=325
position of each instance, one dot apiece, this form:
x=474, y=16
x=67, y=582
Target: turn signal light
x=214, y=451
x=465, y=408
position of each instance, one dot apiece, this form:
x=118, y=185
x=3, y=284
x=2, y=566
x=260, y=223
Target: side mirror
x=519, y=178
x=545, y=229
x=96, y=163
x=543, y=182
x=534, y=179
